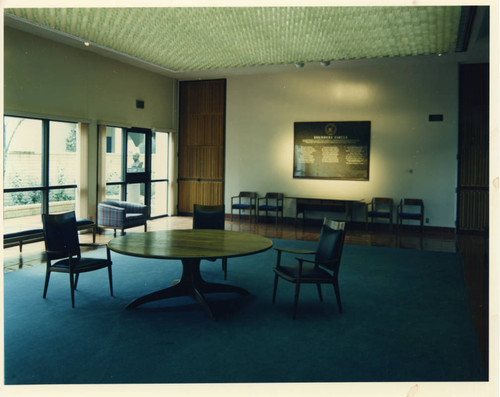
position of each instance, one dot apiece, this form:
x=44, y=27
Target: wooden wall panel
x=189, y=162
x=473, y=156
x=201, y=143
x=211, y=168
x=189, y=194
x=212, y=192
x=473, y=210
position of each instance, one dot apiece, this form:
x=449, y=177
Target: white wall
x=48, y=78
x=261, y=110
x=43, y=78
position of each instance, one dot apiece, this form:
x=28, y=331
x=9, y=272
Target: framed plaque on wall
x=332, y=150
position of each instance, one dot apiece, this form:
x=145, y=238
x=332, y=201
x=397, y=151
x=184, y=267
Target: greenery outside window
x=40, y=170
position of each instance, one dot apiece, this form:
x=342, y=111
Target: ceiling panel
x=194, y=39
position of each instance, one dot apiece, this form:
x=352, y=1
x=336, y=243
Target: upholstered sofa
x=121, y=215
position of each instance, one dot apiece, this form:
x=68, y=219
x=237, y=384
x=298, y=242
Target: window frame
x=45, y=188
x=131, y=178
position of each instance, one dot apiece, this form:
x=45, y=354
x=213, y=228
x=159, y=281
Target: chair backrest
x=331, y=243
x=413, y=202
x=335, y=225
x=248, y=194
x=61, y=234
x=276, y=196
x=208, y=216
x=381, y=203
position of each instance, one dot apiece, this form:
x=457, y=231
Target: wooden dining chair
x=323, y=269
x=63, y=251
x=271, y=202
x=244, y=201
x=210, y=217
x=413, y=210
x=380, y=207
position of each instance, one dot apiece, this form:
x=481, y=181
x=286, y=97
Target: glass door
x=138, y=169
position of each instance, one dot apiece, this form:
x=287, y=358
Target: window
x=40, y=170
x=137, y=167
x=159, y=173
x=115, y=176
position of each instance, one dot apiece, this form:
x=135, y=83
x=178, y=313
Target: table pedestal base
x=190, y=284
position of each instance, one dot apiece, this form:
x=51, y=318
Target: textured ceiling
x=192, y=39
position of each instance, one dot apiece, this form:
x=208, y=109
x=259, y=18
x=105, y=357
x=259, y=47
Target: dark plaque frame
x=332, y=150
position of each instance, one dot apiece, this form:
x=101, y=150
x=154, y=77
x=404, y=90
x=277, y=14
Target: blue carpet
x=406, y=318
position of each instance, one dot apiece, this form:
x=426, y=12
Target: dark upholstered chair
x=380, y=207
x=411, y=209
x=271, y=202
x=121, y=215
x=245, y=201
x=210, y=217
x=323, y=269
x=63, y=251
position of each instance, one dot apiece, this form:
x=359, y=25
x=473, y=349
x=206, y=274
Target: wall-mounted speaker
x=435, y=117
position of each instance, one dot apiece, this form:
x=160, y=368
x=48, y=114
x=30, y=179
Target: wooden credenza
x=344, y=206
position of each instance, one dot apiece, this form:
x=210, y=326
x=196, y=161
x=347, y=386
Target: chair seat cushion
x=379, y=214
x=309, y=273
x=83, y=222
x=269, y=208
x=82, y=265
x=243, y=206
x=23, y=233
x=410, y=215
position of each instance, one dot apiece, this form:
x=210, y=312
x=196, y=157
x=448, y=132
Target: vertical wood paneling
x=211, y=192
x=473, y=165
x=201, y=143
x=211, y=167
x=189, y=193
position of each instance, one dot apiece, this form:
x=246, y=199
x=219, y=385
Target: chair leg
x=46, y=286
x=72, y=288
x=77, y=275
x=110, y=275
x=275, y=287
x=319, y=292
x=296, y=300
x=337, y=294
x=224, y=267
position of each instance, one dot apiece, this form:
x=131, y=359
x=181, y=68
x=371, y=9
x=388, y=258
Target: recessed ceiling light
x=86, y=44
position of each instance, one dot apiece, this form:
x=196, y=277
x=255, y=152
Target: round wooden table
x=190, y=246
